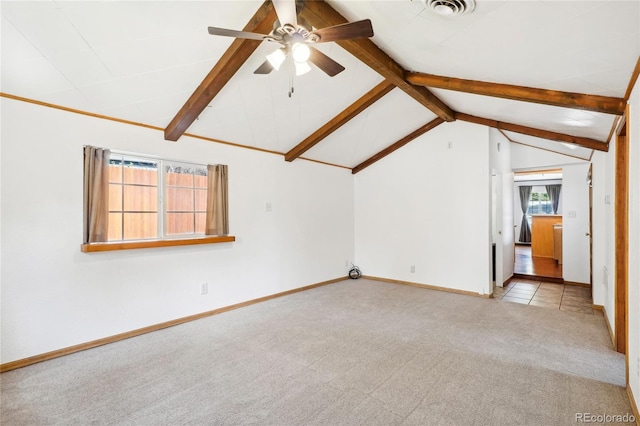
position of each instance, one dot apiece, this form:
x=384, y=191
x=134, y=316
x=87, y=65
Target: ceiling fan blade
x=348, y=31
x=265, y=68
x=238, y=34
x=325, y=63
x=286, y=11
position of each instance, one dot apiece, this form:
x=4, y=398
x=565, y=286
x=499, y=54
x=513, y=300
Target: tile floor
x=547, y=295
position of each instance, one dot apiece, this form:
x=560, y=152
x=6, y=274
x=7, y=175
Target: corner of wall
x=633, y=349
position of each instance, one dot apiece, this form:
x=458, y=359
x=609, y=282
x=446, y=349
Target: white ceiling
x=140, y=61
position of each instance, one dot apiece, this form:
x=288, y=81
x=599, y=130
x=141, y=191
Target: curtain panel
x=96, y=194
x=554, y=196
x=217, y=221
x=525, y=230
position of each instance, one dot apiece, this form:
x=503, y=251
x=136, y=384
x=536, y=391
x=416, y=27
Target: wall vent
x=450, y=7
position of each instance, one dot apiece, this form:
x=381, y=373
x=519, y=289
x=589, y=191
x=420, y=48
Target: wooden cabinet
x=557, y=242
x=542, y=241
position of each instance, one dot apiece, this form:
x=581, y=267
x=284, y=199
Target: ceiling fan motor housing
x=296, y=38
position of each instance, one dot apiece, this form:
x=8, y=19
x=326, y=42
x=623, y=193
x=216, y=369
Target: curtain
x=554, y=196
x=96, y=194
x=217, y=222
x=525, y=231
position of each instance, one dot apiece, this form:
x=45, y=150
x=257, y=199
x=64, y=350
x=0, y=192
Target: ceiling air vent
x=450, y=7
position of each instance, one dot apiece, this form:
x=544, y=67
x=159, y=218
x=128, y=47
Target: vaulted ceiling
x=550, y=74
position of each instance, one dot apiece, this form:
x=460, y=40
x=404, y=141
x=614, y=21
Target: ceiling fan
x=297, y=38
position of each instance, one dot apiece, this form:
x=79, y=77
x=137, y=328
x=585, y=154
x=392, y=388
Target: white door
x=508, y=230
x=505, y=245
x=576, y=251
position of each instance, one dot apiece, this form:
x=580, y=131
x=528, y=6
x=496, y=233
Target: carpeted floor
x=351, y=353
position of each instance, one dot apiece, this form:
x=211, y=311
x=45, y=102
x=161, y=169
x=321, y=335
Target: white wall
x=604, y=266
x=54, y=296
x=500, y=152
x=429, y=206
x=602, y=228
x=633, y=130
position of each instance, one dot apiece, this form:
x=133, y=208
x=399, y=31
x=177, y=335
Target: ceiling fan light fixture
x=276, y=58
x=300, y=52
x=302, y=68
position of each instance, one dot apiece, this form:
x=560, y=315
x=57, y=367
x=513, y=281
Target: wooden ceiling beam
x=321, y=15
x=339, y=120
x=539, y=133
x=230, y=62
x=604, y=104
x=402, y=142
x=632, y=81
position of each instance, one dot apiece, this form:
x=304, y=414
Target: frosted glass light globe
x=300, y=52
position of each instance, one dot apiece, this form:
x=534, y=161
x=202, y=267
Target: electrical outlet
x=346, y=263
x=572, y=213
x=412, y=269
x=204, y=288
x=268, y=207
x=449, y=145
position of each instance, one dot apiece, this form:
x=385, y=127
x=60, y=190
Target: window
x=539, y=202
x=136, y=198
x=133, y=198
x=186, y=199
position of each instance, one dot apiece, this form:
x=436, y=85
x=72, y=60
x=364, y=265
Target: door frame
x=591, y=228
x=622, y=239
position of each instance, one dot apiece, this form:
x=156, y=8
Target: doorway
x=538, y=225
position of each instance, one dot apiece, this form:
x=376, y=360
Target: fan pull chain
x=291, y=89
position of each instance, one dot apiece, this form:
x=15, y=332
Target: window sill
x=128, y=245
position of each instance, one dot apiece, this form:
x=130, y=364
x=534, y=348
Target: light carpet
x=352, y=353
